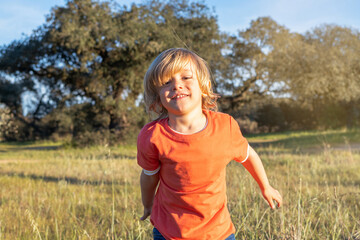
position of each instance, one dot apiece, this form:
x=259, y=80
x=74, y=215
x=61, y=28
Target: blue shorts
x=157, y=235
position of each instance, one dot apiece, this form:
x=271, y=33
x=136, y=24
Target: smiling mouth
x=179, y=96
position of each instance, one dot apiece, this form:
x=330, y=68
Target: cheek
x=164, y=92
x=162, y=96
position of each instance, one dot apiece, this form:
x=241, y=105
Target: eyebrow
x=187, y=75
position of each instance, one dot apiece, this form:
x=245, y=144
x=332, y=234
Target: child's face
x=181, y=94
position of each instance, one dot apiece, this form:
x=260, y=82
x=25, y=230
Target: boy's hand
x=270, y=194
x=147, y=212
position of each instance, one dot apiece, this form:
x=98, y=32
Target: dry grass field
x=53, y=192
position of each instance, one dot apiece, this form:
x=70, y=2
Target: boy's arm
x=148, y=184
x=254, y=165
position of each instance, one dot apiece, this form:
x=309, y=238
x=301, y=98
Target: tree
x=321, y=70
x=92, y=56
x=10, y=97
x=324, y=64
x=247, y=75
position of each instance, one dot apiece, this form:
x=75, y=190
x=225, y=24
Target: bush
x=8, y=127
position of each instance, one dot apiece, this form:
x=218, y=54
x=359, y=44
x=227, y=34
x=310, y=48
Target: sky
x=19, y=18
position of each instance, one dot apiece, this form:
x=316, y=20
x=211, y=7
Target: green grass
x=51, y=192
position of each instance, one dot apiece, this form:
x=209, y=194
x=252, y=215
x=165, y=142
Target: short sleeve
x=240, y=145
x=147, y=153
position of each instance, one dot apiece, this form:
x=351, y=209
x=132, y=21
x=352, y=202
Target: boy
x=185, y=152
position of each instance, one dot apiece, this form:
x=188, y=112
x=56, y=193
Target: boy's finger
x=278, y=199
x=146, y=214
x=271, y=203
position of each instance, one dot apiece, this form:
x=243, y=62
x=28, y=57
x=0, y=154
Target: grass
x=50, y=192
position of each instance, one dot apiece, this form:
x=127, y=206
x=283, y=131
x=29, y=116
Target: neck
x=188, y=124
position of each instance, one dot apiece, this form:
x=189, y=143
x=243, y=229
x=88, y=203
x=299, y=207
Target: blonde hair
x=168, y=63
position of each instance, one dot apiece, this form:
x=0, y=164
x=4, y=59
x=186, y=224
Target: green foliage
x=287, y=114
x=271, y=117
x=317, y=71
x=13, y=128
x=7, y=124
x=247, y=77
x=321, y=65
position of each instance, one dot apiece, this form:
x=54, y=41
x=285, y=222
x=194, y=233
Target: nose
x=178, y=85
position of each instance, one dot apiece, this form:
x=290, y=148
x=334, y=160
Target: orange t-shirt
x=190, y=202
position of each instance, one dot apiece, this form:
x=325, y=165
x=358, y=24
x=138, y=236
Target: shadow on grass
x=54, y=148
x=303, y=142
x=38, y=148
x=20, y=146
x=68, y=180
x=123, y=156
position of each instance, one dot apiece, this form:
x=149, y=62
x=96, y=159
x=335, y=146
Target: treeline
x=80, y=74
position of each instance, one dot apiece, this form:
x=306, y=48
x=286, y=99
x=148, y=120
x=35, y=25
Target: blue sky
x=18, y=17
